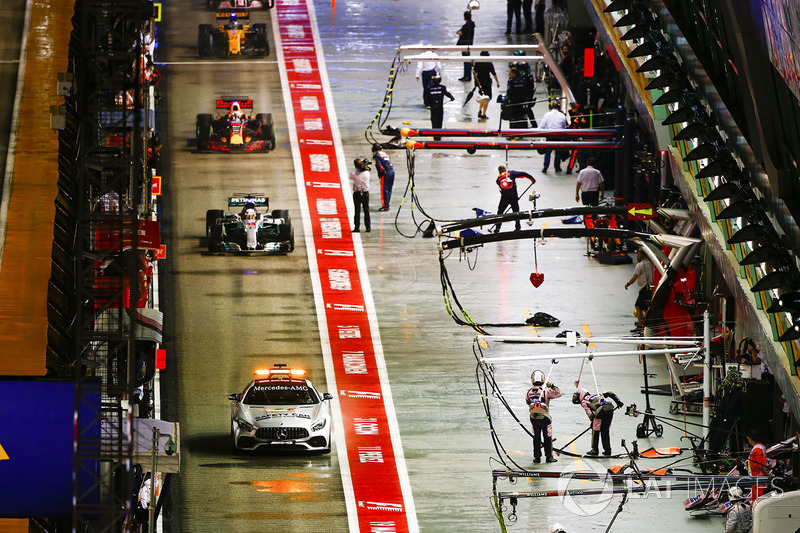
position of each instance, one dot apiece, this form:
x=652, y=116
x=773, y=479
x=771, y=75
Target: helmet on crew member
x=557, y=528
x=436, y=79
x=735, y=493
x=537, y=377
x=579, y=395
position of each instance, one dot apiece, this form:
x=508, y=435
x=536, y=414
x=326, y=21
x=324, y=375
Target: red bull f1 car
x=251, y=230
x=233, y=36
x=281, y=409
x=235, y=130
x=240, y=4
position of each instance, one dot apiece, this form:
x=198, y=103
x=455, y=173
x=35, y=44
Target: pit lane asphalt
x=226, y=315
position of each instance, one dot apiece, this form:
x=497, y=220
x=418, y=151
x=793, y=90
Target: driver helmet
x=436, y=79
x=236, y=110
x=537, y=377
x=250, y=214
x=557, y=528
x=232, y=22
x=578, y=396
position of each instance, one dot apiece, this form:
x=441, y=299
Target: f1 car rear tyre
x=205, y=40
x=267, y=129
x=282, y=213
x=261, y=41
x=291, y=239
x=204, y=121
x=286, y=230
x=211, y=219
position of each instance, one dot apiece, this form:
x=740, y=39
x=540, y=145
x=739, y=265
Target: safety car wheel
x=211, y=219
x=234, y=448
x=267, y=129
x=204, y=121
x=205, y=40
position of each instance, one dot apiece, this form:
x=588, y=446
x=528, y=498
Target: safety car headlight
x=244, y=426
x=319, y=425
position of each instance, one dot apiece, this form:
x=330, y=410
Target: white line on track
x=12, y=138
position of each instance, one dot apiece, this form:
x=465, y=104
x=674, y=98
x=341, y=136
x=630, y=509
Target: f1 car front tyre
x=267, y=129
x=204, y=121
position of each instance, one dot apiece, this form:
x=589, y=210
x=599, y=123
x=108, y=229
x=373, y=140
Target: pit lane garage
x=235, y=130
x=249, y=231
x=232, y=36
x=281, y=409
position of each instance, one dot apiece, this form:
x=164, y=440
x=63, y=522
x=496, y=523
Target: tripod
x=649, y=425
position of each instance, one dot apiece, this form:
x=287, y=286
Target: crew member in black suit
x=436, y=94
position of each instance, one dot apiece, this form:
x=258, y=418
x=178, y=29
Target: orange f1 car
x=233, y=36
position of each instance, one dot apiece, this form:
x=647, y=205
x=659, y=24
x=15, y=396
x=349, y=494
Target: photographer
x=359, y=177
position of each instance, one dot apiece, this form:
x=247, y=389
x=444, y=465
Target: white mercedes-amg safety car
x=281, y=409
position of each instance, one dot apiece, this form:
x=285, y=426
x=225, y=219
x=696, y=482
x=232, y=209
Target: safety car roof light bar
x=548, y=357
x=671, y=341
x=531, y=132
x=297, y=372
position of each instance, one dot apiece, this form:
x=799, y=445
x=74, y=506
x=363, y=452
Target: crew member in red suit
x=509, y=197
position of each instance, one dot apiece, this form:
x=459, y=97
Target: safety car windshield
x=290, y=393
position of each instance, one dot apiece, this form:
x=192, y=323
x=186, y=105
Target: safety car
x=240, y=4
x=233, y=36
x=235, y=130
x=281, y=409
x=249, y=231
